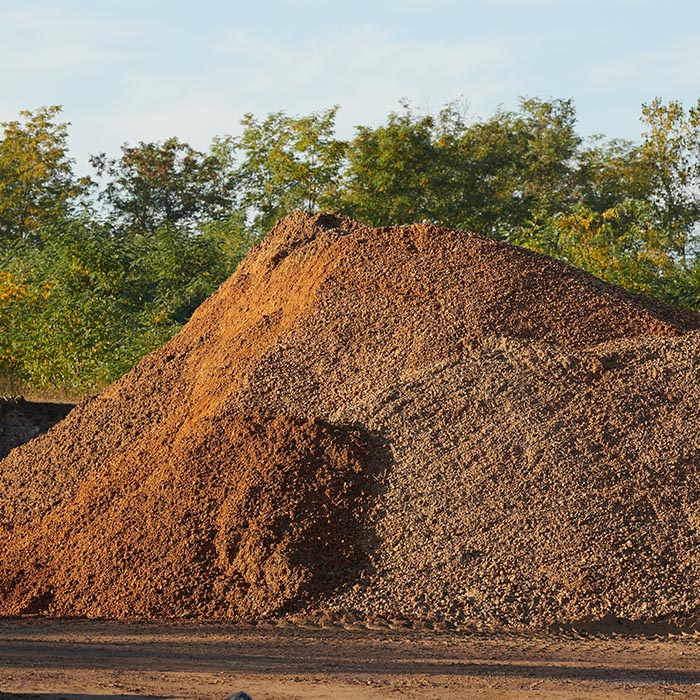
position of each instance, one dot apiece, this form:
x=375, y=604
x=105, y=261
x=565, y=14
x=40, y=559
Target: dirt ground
x=79, y=659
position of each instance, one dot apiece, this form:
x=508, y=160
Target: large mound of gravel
x=406, y=422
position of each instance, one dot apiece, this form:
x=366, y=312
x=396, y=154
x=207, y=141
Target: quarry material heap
x=405, y=422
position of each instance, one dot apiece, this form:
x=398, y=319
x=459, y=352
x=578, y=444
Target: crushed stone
x=398, y=423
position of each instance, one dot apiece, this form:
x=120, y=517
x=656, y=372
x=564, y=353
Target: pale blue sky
x=132, y=70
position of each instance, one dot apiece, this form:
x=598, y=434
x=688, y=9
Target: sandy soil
x=77, y=660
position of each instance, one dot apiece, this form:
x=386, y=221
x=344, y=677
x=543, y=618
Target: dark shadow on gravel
x=22, y=421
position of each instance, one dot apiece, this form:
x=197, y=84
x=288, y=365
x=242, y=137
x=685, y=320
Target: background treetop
x=96, y=271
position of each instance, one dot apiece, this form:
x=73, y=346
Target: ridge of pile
x=405, y=422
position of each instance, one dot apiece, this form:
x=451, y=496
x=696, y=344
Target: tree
x=289, y=163
x=12, y=291
x=389, y=175
x=37, y=183
x=84, y=307
x=493, y=152
x=410, y=169
x=552, y=145
x=169, y=183
x=620, y=245
x=524, y=164
x=609, y=173
x=670, y=162
x=176, y=269
x=68, y=327
x=490, y=176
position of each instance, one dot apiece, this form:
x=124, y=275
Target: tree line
x=96, y=271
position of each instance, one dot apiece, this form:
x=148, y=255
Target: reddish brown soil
x=259, y=512
x=393, y=423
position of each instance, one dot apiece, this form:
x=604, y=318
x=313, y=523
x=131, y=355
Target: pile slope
x=402, y=422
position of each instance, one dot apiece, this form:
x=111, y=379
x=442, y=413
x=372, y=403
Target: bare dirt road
x=77, y=660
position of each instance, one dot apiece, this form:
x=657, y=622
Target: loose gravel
x=446, y=429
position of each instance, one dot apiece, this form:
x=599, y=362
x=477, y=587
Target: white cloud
x=365, y=70
x=45, y=41
x=118, y=86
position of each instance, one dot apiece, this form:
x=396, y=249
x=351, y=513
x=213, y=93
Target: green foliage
x=609, y=172
x=68, y=327
x=83, y=308
x=488, y=177
x=93, y=275
x=168, y=183
x=391, y=171
x=670, y=164
x=288, y=164
x=524, y=164
x=85, y=291
x=620, y=245
x=37, y=184
x=175, y=269
x=551, y=144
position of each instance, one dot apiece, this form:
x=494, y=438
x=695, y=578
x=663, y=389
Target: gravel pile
x=423, y=423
